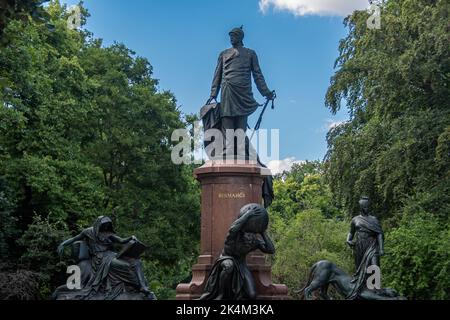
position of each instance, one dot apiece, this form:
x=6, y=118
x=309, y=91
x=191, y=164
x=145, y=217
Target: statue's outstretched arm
x=69, y=242
x=120, y=240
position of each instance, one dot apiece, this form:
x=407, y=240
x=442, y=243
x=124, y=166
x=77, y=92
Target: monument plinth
x=226, y=187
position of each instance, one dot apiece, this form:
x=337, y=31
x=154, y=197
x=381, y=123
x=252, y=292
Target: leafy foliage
x=20, y=10
x=305, y=239
x=20, y=285
x=39, y=242
x=418, y=259
x=305, y=225
x=85, y=132
x=8, y=229
x=395, y=83
x=303, y=187
x=395, y=148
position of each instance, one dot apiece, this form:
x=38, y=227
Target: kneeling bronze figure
x=230, y=277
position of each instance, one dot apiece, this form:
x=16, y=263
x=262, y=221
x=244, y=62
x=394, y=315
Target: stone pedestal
x=226, y=187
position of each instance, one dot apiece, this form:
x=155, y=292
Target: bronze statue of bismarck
x=232, y=78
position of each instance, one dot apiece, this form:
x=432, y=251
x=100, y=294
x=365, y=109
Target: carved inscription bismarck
x=232, y=195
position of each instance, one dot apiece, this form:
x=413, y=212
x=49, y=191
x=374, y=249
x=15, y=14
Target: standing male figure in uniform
x=232, y=77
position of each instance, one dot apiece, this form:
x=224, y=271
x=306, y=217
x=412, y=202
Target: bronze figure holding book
x=106, y=275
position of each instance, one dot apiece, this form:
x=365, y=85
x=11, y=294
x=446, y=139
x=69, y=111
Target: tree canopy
x=394, y=82
x=395, y=149
x=84, y=132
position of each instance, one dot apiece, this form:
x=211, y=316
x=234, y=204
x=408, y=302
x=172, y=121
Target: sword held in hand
x=258, y=123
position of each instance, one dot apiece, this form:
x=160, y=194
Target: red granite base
x=226, y=187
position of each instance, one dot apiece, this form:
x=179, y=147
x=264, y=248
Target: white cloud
x=278, y=166
x=314, y=7
x=333, y=124
x=330, y=124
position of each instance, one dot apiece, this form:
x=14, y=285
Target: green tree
x=45, y=123
x=20, y=10
x=39, y=241
x=395, y=84
x=395, y=147
x=305, y=225
x=8, y=229
x=84, y=131
x=417, y=261
x=305, y=239
x=303, y=187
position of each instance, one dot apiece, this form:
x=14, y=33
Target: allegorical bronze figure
x=230, y=277
x=324, y=273
x=366, y=240
x=105, y=275
x=368, y=245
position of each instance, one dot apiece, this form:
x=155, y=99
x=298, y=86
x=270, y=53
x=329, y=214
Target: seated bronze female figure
x=105, y=274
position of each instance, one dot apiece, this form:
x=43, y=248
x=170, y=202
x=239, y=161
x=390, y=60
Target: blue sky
x=296, y=41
